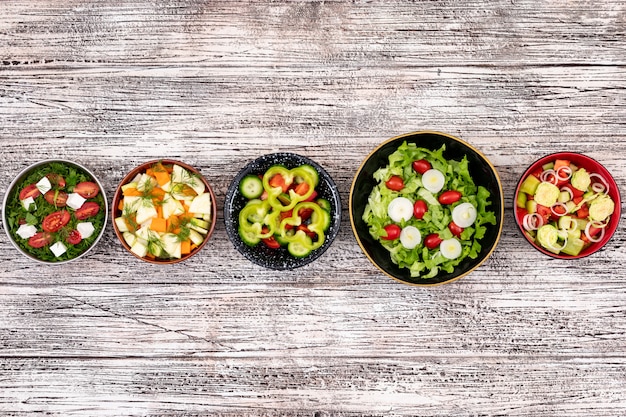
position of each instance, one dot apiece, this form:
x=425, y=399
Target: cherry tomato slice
x=395, y=183
x=455, y=229
x=40, y=239
x=74, y=237
x=56, y=198
x=449, y=197
x=29, y=191
x=419, y=209
x=88, y=209
x=87, y=189
x=56, y=180
x=432, y=241
x=393, y=232
x=53, y=222
x=421, y=166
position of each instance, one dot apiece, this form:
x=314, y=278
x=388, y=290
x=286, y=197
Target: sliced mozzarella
x=85, y=229
x=464, y=215
x=26, y=230
x=433, y=180
x=27, y=202
x=75, y=201
x=58, y=249
x=44, y=185
x=451, y=248
x=410, y=237
x=400, y=208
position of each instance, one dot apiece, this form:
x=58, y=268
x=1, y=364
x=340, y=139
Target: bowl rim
x=23, y=173
x=232, y=191
x=131, y=174
x=462, y=142
x=612, y=183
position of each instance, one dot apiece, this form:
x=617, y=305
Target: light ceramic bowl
x=11, y=204
x=482, y=172
x=116, y=211
x=590, y=165
x=279, y=259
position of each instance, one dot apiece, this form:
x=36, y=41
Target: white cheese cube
x=26, y=230
x=27, y=202
x=85, y=229
x=58, y=249
x=75, y=201
x=44, y=185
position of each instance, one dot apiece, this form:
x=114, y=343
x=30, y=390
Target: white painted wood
x=217, y=83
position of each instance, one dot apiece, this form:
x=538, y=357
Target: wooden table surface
x=110, y=84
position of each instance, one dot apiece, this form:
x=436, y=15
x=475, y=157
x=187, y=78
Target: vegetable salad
x=56, y=212
x=427, y=211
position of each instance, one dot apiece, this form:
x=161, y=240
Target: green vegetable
x=421, y=261
x=251, y=186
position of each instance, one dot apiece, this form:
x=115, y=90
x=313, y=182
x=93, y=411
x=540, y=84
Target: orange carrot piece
x=120, y=205
x=158, y=193
x=185, y=247
x=132, y=192
x=162, y=177
x=159, y=210
x=158, y=224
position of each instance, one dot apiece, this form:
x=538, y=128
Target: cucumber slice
x=248, y=237
x=298, y=250
x=251, y=187
x=313, y=172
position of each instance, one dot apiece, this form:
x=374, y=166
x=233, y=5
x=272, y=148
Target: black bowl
x=481, y=170
x=279, y=259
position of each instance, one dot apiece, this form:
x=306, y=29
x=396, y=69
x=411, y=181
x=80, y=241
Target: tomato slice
x=74, y=237
x=53, y=222
x=40, y=239
x=87, y=189
x=88, y=209
x=56, y=198
x=29, y=191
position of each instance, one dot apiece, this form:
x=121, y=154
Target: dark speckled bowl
x=481, y=170
x=260, y=254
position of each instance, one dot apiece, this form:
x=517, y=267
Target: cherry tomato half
x=449, y=197
x=53, y=222
x=393, y=232
x=432, y=241
x=88, y=209
x=56, y=180
x=271, y=242
x=87, y=189
x=455, y=229
x=395, y=183
x=29, y=191
x=74, y=237
x=419, y=209
x=40, y=239
x=421, y=166
x=56, y=198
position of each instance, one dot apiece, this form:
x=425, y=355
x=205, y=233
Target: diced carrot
x=159, y=210
x=150, y=172
x=560, y=163
x=185, y=247
x=132, y=192
x=193, y=246
x=158, y=224
x=162, y=177
x=157, y=193
x=120, y=205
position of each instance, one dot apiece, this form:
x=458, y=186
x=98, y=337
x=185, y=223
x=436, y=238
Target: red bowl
x=591, y=166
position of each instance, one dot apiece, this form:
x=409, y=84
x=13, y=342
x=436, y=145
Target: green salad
x=55, y=212
x=427, y=211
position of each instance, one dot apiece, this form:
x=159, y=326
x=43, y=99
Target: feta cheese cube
x=26, y=231
x=44, y=185
x=85, y=229
x=75, y=201
x=27, y=202
x=58, y=249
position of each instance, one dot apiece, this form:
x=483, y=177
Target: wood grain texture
x=216, y=84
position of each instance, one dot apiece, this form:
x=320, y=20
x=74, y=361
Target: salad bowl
x=416, y=257
x=55, y=211
x=164, y=211
x=567, y=205
x=299, y=234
